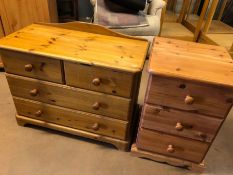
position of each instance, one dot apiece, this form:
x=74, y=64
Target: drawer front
x=32, y=66
x=72, y=118
x=172, y=146
x=74, y=98
x=176, y=93
x=180, y=123
x=99, y=79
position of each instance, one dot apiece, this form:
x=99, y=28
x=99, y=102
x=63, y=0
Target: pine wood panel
x=18, y=14
x=107, y=80
x=71, y=118
x=78, y=46
x=120, y=144
x=183, y=148
x=42, y=67
x=180, y=123
x=69, y=97
x=210, y=100
x=193, y=61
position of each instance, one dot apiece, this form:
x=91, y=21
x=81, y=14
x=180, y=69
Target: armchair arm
x=155, y=7
x=93, y=2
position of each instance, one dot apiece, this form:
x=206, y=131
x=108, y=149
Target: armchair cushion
x=113, y=15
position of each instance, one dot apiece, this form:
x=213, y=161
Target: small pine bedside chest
x=77, y=78
x=189, y=95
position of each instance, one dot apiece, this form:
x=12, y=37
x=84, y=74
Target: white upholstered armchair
x=152, y=14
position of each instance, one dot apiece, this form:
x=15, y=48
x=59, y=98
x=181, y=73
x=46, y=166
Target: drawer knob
x=95, y=126
x=96, y=81
x=38, y=113
x=96, y=106
x=179, y=126
x=170, y=149
x=189, y=100
x=34, y=92
x=28, y=67
x=202, y=135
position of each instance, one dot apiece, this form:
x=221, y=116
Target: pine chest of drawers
x=189, y=95
x=78, y=78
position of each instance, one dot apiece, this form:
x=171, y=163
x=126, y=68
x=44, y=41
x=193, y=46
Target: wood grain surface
x=72, y=118
x=193, y=61
x=208, y=100
x=180, y=123
x=73, y=98
x=78, y=46
x=42, y=67
x=183, y=148
x=107, y=81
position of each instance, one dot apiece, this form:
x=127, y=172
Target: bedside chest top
x=191, y=61
x=92, y=45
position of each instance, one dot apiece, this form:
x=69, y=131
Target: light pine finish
x=120, y=144
x=208, y=100
x=98, y=79
x=199, y=168
x=83, y=47
x=77, y=78
x=18, y=14
x=65, y=96
x=189, y=95
x=172, y=146
x=180, y=123
x=34, y=66
x=71, y=118
x=186, y=57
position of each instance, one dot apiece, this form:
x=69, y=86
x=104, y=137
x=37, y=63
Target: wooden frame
x=177, y=29
x=218, y=34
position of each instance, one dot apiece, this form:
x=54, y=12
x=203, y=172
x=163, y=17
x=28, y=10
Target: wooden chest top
x=85, y=46
x=191, y=61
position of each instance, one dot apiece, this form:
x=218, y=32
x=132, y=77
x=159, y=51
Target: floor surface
x=37, y=151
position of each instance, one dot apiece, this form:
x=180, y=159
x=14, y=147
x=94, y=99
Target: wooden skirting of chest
x=189, y=95
x=73, y=78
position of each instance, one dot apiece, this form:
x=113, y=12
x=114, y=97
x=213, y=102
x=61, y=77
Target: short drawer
x=32, y=66
x=180, y=123
x=190, y=150
x=189, y=96
x=72, y=118
x=65, y=96
x=99, y=79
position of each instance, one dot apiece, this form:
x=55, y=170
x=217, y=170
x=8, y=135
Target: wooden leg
x=195, y=167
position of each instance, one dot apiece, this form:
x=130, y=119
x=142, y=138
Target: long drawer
x=99, y=79
x=189, y=96
x=180, y=123
x=171, y=146
x=34, y=66
x=65, y=96
x=72, y=118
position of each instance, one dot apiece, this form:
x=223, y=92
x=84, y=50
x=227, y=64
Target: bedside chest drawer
x=189, y=96
x=180, y=123
x=32, y=66
x=99, y=79
x=74, y=98
x=172, y=146
x=72, y=118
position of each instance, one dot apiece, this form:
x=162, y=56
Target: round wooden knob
x=189, y=100
x=179, y=126
x=96, y=106
x=28, y=67
x=201, y=134
x=34, y=92
x=170, y=149
x=96, y=81
x=95, y=126
x=38, y=113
